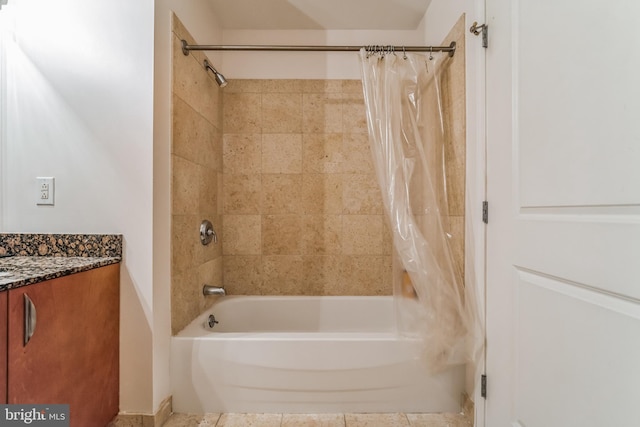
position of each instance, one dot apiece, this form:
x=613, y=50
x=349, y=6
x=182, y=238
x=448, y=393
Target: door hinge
x=483, y=386
x=485, y=212
x=478, y=29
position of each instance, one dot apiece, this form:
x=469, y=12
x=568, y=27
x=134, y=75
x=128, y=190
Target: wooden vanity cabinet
x=72, y=356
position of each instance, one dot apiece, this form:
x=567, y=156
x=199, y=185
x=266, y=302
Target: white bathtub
x=299, y=354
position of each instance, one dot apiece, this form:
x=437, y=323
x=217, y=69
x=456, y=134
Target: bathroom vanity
x=59, y=318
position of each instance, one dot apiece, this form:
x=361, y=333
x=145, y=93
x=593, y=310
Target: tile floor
x=317, y=420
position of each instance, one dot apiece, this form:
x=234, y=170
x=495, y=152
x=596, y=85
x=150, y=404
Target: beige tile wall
x=302, y=209
x=196, y=159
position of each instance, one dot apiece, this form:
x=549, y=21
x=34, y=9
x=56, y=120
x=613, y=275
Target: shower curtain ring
x=404, y=53
x=431, y=54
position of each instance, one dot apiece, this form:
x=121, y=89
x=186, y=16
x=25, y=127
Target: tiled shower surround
x=283, y=170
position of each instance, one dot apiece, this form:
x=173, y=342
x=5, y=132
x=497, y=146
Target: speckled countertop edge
x=24, y=271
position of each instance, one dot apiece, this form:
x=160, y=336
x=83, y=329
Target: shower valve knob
x=207, y=233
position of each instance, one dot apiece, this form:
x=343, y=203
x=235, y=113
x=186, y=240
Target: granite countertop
x=26, y=259
x=19, y=271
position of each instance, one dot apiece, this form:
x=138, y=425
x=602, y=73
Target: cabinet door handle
x=29, y=319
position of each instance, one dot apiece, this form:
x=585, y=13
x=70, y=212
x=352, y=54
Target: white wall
x=199, y=20
x=305, y=65
x=79, y=108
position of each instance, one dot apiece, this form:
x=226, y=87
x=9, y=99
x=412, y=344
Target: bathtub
x=300, y=354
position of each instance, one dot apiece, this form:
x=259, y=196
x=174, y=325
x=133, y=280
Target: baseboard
x=144, y=420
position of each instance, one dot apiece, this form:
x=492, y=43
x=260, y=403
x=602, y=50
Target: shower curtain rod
x=298, y=48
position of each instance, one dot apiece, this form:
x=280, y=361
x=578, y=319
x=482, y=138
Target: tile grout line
x=406, y=417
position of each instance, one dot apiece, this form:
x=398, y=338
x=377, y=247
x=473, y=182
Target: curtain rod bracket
x=476, y=29
x=481, y=29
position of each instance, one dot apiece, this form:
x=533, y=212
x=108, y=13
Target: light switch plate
x=45, y=190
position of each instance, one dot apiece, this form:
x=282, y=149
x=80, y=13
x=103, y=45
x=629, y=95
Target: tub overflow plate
x=212, y=321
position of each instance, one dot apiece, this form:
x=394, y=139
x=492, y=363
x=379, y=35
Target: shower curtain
x=407, y=135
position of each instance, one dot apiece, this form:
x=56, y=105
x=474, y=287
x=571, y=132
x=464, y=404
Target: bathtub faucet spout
x=213, y=290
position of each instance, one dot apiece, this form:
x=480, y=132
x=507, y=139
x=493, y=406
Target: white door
x=563, y=239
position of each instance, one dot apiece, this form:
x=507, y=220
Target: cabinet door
x=72, y=357
x=3, y=347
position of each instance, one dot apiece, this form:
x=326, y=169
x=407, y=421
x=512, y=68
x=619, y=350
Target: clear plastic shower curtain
x=406, y=133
